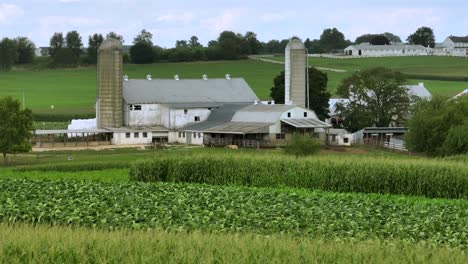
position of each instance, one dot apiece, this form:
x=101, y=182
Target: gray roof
x=418, y=90
x=170, y=91
x=137, y=129
x=459, y=39
x=240, y=128
x=367, y=46
x=261, y=113
x=217, y=117
x=306, y=123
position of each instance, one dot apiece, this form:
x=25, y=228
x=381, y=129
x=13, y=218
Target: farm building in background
x=205, y=111
x=452, y=46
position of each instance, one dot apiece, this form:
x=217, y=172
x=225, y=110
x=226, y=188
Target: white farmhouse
x=453, y=46
x=368, y=50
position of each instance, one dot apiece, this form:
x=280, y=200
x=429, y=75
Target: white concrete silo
x=296, y=73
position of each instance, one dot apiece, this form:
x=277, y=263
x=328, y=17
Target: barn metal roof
x=306, y=123
x=170, y=91
x=367, y=46
x=261, y=113
x=217, y=117
x=240, y=128
x=138, y=129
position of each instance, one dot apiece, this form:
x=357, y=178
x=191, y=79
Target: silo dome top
x=111, y=44
x=295, y=44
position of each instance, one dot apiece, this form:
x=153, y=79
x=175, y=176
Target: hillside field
x=73, y=91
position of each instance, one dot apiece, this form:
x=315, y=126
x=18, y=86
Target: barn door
x=189, y=138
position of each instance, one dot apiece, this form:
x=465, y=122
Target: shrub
x=301, y=145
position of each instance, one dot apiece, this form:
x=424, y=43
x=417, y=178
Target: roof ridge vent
x=228, y=76
x=176, y=77
x=205, y=77
x=125, y=77
x=148, y=77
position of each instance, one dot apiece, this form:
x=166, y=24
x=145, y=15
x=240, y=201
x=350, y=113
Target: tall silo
x=295, y=73
x=109, y=108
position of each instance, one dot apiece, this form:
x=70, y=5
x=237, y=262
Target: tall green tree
x=74, y=43
x=439, y=127
x=318, y=94
x=144, y=36
x=392, y=37
x=94, y=42
x=57, y=42
x=15, y=127
x=423, y=36
x=141, y=53
x=250, y=43
x=26, y=50
x=380, y=40
x=116, y=36
x=8, y=54
x=193, y=42
x=332, y=39
x=230, y=45
x=377, y=97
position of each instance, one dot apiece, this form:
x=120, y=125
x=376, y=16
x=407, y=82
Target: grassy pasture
x=73, y=91
x=42, y=244
x=438, y=69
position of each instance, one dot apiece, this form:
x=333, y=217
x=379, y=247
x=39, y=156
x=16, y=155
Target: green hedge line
x=419, y=178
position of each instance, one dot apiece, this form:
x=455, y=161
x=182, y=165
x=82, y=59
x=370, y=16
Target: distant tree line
x=68, y=50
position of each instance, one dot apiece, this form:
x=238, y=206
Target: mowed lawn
x=73, y=91
x=435, y=67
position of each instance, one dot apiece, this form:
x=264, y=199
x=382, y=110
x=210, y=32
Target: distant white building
x=368, y=50
x=452, y=46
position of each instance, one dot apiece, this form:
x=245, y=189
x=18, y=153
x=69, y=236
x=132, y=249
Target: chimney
x=228, y=76
x=272, y=102
x=421, y=84
x=205, y=77
x=255, y=102
x=176, y=77
x=125, y=77
x=148, y=77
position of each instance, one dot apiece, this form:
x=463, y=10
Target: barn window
x=289, y=114
x=346, y=140
x=145, y=134
x=183, y=134
x=185, y=111
x=280, y=136
x=136, y=135
x=131, y=107
x=305, y=114
x=197, y=119
x=127, y=135
x=137, y=107
x=180, y=134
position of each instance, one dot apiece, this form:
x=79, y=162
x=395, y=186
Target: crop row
x=430, y=179
x=234, y=209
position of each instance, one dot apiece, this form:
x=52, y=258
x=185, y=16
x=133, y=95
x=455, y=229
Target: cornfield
x=419, y=178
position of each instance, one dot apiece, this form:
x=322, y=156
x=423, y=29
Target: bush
x=428, y=178
x=301, y=145
x=456, y=141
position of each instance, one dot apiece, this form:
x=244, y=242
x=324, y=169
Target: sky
x=172, y=20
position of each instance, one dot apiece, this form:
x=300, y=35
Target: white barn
x=368, y=50
x=453, y=46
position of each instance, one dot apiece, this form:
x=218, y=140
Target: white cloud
x=273, y=17
x=176, y=17
x=8, y=12
x=226, y=21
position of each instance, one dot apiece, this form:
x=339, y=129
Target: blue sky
x=179, y=19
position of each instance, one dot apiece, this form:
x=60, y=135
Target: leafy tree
x=145, y=37
x=8, y=54
x=332, y=39
x=366, y=38
x=57, y=42
x=273, y=46
x=230, y=45
x=26, y=50
x=116, y=36
x=94, y=42
x=74, y=43
x=141, y=53
x=65, y=57
x=181, y=44
x=377, y=98
x=15, y=127
x=379, y=40
x=250, y=43
x=315, y=47
x=318, y=94
x=439, y=127
x=303, y=145
x=193, y=42
x=423, y=36
x=392, y=37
